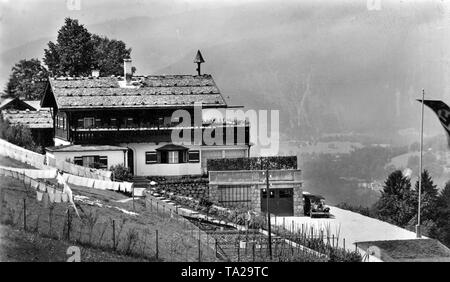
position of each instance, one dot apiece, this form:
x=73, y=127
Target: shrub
x=121, y=173
x=19, y=135
x=256, y=163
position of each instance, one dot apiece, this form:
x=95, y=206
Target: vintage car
x=314, y=206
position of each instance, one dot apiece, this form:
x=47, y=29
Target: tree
x=77, y=52
x=19, y=135
x=428, y=198
x=395, y=203
x=73, y=53
x=442, y=230
x=27, y=80
x=428, y=186
x=396, y=185
x=109, y=55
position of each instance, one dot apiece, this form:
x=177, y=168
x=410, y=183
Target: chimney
x=127, y=70
x=95, y=73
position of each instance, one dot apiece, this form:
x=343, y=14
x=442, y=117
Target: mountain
x=327, y=67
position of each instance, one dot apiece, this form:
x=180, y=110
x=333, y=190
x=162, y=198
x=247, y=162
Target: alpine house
x=105, y=121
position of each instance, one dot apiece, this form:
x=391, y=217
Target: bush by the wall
x=121, y=173
x=254, y=163
x=19, y=135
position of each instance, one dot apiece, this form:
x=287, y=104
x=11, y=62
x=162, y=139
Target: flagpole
x=418, y=231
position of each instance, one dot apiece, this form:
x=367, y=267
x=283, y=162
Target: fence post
x=2, y=199
x=68, y=224
x=133, y=198
x=215, y=246
x=25, y=214
x=199, y=247
x=114, y=234
x=239, y=250
x=157, y=249
x=253, y=251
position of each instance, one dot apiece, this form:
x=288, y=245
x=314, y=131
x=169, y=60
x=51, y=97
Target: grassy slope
x=173, y=243
x=17, y=245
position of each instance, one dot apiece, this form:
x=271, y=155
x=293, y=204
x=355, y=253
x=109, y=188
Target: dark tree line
x=398, y=205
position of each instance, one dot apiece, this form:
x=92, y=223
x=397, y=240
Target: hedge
x=254, y=163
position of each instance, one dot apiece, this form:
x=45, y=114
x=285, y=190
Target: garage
x=281, y=201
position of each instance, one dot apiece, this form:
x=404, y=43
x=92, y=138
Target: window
x=194, y=156
x=88, y=161
x=78, y=160
x=151, y=157
x=235, y=196
x=88, y=122
x=129, y=122
x=80, y=123
x=102, y=162
x=60, y=122
x=167, y=121
x=173, y=157
x=113, y=122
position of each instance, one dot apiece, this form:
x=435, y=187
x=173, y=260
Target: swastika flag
x=443, y=113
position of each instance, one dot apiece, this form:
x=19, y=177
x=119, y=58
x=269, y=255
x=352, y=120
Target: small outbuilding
x=410, y=250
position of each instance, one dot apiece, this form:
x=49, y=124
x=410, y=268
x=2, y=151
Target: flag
x=443, y=113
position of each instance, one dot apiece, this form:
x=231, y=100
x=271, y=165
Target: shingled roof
x=32, y=119
x=409, y=250
x=143, y=92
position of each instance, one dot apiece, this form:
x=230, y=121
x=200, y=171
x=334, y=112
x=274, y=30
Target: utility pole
x=269, y=229
x=418, y=231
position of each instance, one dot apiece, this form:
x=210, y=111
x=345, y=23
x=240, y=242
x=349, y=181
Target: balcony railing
x=114, y=135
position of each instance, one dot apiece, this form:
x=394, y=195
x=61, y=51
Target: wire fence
x=154, y=236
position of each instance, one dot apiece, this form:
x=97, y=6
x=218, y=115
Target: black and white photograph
x=228, y=133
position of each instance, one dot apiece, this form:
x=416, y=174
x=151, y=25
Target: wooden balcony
x=145, y=134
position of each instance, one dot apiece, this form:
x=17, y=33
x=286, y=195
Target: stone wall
x=195, y=188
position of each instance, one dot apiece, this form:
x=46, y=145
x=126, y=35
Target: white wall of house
x=188, y=168
x=160, y=169
x=114, y=157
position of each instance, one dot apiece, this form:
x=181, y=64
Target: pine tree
x=428, y=199
x=394, y=205
x=442, y=230
x=73, y=53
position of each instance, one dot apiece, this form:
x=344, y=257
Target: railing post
x=114, y=234
x=157, y=249
x=25, y=214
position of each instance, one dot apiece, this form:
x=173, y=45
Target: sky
x=256, y=48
